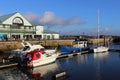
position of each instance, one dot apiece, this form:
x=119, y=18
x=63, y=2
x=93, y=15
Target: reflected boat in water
x=99, y=60
x=101, y=55
x=42, y=71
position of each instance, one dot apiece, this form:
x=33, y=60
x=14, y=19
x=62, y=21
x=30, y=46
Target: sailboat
x=100, y=48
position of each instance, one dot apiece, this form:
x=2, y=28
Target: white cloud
x=32, y=17
x=0, y=13
x=50, y=19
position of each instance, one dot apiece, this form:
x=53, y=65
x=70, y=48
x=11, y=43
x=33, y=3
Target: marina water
x=92, y=66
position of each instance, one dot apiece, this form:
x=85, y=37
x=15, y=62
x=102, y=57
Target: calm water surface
x=93, y=66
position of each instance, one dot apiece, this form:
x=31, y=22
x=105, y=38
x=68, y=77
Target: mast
x=98, y=27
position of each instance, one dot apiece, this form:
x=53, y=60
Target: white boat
x=39, y=57
x=27, y=47
x=100, y=48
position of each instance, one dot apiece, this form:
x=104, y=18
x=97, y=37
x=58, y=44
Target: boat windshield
x=78, y=42
x=26, y=48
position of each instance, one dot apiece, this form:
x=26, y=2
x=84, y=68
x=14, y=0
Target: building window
x=29, y=27
x=53, y=36
x=44, y=37
x=17, y=20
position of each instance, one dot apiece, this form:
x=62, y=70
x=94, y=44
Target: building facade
x=15, y=27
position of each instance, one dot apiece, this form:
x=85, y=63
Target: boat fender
x=29, y=63
x=73, y=51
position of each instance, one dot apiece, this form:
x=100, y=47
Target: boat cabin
x=80, y=43
x=29, y=47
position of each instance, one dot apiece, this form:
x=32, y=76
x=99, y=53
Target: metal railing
x=16, y=30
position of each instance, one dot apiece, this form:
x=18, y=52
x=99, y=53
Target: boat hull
x=100, y=49
x=44, y=61
x=70, y=49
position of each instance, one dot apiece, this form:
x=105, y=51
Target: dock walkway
x=12, y=63
x=7, y=64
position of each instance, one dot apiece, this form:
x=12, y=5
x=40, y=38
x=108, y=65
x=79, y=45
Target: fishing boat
x=99, y=48
x=38, y=58
x=78, y=45
x=27, y=47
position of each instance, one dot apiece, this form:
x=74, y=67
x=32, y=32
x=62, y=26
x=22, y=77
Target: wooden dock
x=7, y=64
x=72, y=54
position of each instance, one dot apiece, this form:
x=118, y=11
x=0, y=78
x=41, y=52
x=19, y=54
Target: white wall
x=39, y=29
x=56, y=36
x=45, y=36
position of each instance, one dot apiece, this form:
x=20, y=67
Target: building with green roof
x=14, y=26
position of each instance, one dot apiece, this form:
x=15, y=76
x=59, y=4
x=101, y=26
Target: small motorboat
x=27, y=47
x=38, y=58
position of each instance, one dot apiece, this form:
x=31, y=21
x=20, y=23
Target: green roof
x=5, y=17
x=50, y=32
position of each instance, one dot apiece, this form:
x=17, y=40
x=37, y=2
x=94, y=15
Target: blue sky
x=69, y=16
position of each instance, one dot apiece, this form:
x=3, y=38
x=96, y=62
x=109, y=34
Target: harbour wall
x=11, y=45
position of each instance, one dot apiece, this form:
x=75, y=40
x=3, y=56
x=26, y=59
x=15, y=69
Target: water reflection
x=41, y=72
x=93, y=66
x=12, y=74
x=36, y=73
x=81, y=58
x=99, y=60
x=101, y=55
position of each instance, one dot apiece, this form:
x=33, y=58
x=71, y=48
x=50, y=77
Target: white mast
x=98, y=26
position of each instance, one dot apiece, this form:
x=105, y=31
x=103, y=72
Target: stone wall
x=16, y=44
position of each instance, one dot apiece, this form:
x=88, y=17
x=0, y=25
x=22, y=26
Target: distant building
x=15, y=26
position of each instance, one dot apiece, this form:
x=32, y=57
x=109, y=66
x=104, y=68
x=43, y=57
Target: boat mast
x=98, y=27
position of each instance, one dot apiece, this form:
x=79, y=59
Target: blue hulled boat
x=68, y=49
x=78, y=45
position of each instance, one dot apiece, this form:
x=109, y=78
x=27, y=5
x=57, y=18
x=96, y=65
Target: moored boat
x=78, y=46
x=38, y=58
x=100, y=49
x=27, y=47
